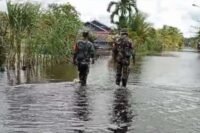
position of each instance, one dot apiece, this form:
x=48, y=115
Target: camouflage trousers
x=122, y=74
x=83, y=69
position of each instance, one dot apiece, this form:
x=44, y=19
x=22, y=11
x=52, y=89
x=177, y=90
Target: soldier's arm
x=92, y=52
x=132, y=51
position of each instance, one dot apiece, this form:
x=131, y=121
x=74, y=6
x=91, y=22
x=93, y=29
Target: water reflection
x=10, y=76
x=162, y=101
x=52, y=72
x=18, y=74
x=62, y=72
x=122, y=113
x=42, y=73
x=81, y=104
x=81, y=108
x=19, y=115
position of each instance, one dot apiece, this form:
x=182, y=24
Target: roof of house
x=101, y=25
x=94, y=27
x=97, y=26
x=101, y=31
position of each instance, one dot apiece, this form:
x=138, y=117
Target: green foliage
x=57, y=30
x=139, y=28
x=171, y=37
x=2, y=53
x=34, y=31
x=146, y=38
x=3, y=31
x=22, y=18
x=123, y=10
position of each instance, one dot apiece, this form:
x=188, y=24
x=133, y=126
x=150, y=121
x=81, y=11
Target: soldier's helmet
x=124, y=32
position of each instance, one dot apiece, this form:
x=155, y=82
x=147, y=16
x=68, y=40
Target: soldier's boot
x=124, y=82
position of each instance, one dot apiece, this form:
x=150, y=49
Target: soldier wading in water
x=122, y=53
x=83, y=52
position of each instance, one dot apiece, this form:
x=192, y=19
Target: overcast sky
x=178, y=13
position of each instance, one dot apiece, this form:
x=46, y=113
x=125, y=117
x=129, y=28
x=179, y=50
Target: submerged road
x=162, y=96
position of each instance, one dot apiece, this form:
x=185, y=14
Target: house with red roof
x=101, y=32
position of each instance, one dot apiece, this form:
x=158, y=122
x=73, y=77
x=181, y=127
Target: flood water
x=162, y=96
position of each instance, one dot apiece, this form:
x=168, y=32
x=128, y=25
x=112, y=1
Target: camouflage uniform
x=83, y=51
x=123, y=50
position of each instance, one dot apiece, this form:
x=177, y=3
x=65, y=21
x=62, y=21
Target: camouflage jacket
x=123, y=49
x=83, y=51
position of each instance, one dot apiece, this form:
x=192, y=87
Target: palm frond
x=114, y=13
x=134, y=5
x=110, y=5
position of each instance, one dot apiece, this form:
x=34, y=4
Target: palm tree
x=124, y=10
x=139, y=28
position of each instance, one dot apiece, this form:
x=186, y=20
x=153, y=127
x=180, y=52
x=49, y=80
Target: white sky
x=178, y=13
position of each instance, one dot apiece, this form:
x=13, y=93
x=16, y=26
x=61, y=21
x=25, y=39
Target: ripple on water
x=153, y=101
